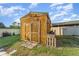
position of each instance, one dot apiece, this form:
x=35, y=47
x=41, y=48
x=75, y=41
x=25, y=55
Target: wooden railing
x=51, y=40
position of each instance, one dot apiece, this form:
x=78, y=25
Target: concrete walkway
x=3, y=52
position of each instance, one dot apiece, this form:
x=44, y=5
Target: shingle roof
x=35, y=13
x=40, y=12
x=67, y=23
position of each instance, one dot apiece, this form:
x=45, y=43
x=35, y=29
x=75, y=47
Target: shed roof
x=44, y=13
x=40, y=12
x=34, y=13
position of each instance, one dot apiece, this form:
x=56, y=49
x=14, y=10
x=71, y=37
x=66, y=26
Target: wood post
x=38, y=31
x=25, y=30
x=47, y=42
x=52, y=42
x=31, y=32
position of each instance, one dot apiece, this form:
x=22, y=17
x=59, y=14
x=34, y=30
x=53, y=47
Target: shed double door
x=33, y=30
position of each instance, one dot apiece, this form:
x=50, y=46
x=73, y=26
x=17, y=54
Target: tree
x=15, y=25
x=2, y=25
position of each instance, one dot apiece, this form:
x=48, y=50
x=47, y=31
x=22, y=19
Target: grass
x=68, y=41
x=69, y=47
x=6, y=41
x=44, y=51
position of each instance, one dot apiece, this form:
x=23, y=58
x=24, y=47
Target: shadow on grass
x=67, y=41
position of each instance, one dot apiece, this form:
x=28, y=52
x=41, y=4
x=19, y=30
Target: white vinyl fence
x=16, y=31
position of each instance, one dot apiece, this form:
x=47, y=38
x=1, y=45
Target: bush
x=13, y=33
x=4, y=34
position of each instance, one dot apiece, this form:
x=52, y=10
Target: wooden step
x=29, y=44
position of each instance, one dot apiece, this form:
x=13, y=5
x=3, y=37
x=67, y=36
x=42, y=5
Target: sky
x=58, y=12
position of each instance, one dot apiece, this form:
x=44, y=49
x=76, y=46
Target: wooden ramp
x=29, y=44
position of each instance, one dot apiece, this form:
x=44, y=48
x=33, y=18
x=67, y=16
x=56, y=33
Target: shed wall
x=43, y=28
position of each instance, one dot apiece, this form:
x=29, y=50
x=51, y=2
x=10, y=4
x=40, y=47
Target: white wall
x=71, y=30
x=57, y=30
x=16, y=31
x=66, y=30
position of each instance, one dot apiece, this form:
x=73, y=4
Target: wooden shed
x=35, y=27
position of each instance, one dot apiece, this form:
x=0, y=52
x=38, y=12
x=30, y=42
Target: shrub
x=13, y=33
x=4, y=34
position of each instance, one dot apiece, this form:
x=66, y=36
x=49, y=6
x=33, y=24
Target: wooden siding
x=35, y=27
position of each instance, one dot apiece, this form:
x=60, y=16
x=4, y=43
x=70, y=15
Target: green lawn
x=44, y=51
x=68, y=41
x=6, y=41
x=69, y=47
